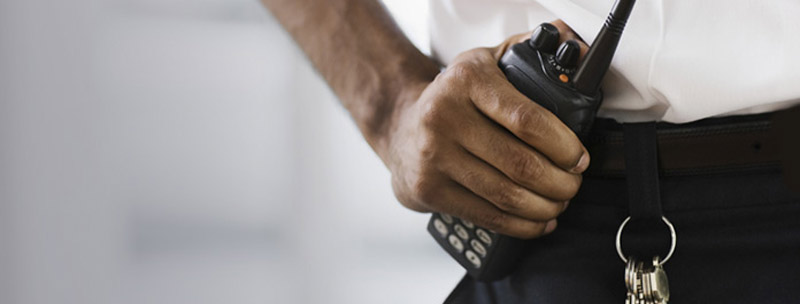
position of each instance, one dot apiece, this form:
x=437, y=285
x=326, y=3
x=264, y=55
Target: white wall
x=185, y=152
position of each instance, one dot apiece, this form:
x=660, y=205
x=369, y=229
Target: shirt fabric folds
x=678, y=60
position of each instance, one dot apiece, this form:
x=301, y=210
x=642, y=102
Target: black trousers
x=738, y=241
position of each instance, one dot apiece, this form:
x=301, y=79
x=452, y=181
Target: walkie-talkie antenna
x=591, y=71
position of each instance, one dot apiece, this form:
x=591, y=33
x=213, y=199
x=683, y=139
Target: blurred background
x=177, y=151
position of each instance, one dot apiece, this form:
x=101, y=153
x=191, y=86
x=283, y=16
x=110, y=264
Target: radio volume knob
x=544, y=38
x=568, y=53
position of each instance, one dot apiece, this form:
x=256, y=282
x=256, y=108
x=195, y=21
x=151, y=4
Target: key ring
x=671, y=232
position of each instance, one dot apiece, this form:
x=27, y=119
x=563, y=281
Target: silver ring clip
x=672, y=233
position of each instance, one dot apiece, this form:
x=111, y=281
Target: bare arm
x=361, y=53
x=463, y=142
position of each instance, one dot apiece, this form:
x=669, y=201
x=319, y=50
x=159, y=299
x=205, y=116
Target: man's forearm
x=361, y=53
x=466, y=142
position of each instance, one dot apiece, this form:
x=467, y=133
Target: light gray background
x=181, y=151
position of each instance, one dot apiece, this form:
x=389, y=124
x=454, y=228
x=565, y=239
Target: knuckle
x=506, y=198
x=424, y=190
x=526, y=168
x=462, y=71
x=424, y=183
x=433, y=113
x=405, y=196
x=496, y=221
x=528, y=121
x=473, y=178
x=429, y=154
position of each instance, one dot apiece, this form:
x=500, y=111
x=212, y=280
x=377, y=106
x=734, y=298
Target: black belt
x=717, y=145
x=643, y=152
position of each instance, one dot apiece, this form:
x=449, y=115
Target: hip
x=738, y=240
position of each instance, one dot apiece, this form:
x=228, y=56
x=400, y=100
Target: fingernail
x=566, y=204
x=551, y=225
x=582, y=165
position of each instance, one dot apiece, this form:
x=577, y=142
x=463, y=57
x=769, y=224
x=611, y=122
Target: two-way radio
x=551, y=77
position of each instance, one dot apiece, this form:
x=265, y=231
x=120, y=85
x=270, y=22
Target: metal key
x=646, y=284
x=630, y=272
x=655, y=284
x=630, y=281
x=633, y=282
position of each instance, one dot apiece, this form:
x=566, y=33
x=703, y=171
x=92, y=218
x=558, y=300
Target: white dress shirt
x=678, y=60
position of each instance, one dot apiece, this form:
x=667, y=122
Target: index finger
x=538, y=127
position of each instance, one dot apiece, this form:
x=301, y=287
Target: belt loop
x=641, y=169
x=785, y=125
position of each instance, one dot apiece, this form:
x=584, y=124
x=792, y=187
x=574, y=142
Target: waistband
x=762, y=142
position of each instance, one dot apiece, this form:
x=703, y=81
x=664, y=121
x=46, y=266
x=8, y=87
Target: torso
x=678, y=61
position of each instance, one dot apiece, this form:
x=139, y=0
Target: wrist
x=382, y=129
x=390, y=104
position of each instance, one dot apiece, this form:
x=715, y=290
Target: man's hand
x=469, y=144
x=464, y=142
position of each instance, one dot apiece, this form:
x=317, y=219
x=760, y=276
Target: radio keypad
x=473, y=258
x=456, y=243
x=484, y=236
x=441, y=227
x=461, y=232
x=478, y=247
x=472, y=243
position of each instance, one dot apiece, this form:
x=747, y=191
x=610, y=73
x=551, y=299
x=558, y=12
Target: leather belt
x=711, y=146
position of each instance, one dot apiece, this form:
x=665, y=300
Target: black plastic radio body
x=538, y=75
x=549, y=75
